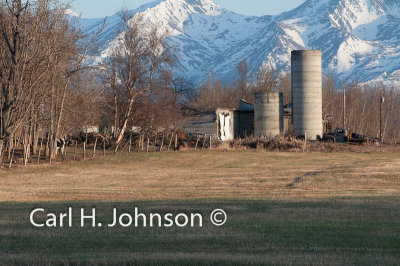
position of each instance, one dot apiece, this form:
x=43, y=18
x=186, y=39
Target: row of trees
x=47, y=92
x=213, y=93
x=359, y=108
x=39, y=60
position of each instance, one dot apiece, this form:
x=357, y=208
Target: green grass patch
x=345, y=231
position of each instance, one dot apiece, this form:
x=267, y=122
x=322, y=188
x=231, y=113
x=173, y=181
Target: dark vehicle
x=341, y=135
x=337, y=136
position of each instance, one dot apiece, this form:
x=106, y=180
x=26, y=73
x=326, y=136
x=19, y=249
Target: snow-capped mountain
x=71, y=13
x=360, y=39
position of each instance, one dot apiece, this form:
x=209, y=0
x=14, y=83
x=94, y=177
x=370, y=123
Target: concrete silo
x=268, y=114
x=307, y=93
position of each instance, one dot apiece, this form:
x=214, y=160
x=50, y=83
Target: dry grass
x=302, y=209
x=207, y=174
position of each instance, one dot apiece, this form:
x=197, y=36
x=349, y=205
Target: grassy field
x=283, y=208
x=214, y=174
x=320, y=232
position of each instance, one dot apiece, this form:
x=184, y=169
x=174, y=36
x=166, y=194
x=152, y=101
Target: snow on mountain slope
x=359, y=38
x=72, y=13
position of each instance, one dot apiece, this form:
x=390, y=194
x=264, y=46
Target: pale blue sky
x=102, y=8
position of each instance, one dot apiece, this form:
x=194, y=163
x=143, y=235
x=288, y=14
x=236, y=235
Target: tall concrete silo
x=268, y=114
x=307, y=93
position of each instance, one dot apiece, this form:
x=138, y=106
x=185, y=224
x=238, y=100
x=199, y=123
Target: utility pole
x=381, y=102
x=344, y=107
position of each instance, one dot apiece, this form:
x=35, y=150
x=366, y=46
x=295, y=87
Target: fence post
x=76, y=145
x=139, y=141
x=130, y=143
x=94, y=148
x=84, y=150
x=162, y=142
x=170, y=141
x=305, y=142
x=197, y=142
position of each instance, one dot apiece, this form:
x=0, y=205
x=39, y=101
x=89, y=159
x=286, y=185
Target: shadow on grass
x=325, y=232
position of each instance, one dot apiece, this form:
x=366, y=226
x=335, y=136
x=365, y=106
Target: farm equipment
x=341, y=135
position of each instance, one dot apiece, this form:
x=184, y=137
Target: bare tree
x=25, y=28
x=83, y=104
x=41, y=52
x=285, y=86
x=267, y=79
x=142, y=54
x=243, y=72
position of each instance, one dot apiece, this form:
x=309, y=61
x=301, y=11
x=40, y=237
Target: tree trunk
x=125, y=124
x=47, y=152
x=11, y=159
x=40, y=150
x=25, y=145
x=10, y=146
x=35, y=143
x=115, y=115
x=2, y=141
x=53, y=147
x=35, y=134
x=29, y=141
x=50, y=142
x=59, y=116
x=121, y=133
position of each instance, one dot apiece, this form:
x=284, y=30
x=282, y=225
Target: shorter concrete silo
x=268, y=114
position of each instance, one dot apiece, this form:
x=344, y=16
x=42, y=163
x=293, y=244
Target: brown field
x=207, y=174
x=283, y=209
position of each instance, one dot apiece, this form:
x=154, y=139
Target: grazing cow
x=61, y=145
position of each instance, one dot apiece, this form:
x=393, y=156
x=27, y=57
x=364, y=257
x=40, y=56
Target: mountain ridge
x=358, y=38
